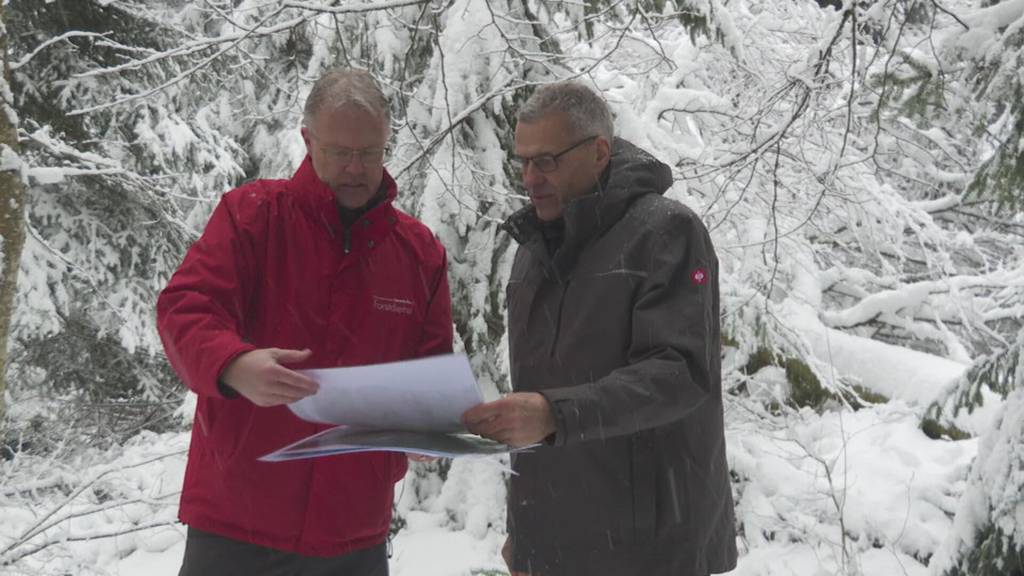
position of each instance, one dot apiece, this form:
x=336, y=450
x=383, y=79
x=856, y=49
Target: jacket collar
x=368, y=231
x=307, y=182
x=631, y=173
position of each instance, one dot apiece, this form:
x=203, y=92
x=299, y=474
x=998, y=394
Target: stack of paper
x=414, y=406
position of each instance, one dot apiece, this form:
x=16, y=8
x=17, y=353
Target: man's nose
x=355, y=165
x=531, y=176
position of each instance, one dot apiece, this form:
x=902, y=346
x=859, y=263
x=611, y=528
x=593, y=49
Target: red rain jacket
x=276, y=268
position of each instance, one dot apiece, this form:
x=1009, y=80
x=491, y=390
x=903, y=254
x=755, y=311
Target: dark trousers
x=208, y=554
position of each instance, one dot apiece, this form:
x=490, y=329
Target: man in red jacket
x=292, y=274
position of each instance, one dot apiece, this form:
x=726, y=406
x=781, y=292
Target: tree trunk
x=12, y=211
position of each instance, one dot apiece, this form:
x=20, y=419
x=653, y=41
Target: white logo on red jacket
x=396, y=305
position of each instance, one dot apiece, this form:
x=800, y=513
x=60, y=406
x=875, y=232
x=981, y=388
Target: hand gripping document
x=412, y=406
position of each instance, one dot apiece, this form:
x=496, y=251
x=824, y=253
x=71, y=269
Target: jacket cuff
x=567, y=418
x=226, y=391
x=210, y=382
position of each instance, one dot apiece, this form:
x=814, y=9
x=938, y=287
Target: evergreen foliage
x=859, y=168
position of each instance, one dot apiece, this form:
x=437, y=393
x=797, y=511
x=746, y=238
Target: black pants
x=208, y=554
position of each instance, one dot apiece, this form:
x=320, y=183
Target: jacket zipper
x=558, y=317
x=347, y=236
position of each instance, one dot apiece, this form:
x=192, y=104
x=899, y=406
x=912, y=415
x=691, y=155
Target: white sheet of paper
x=427, y=394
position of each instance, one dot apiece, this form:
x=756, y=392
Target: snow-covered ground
x=837, y=492
x=871, y=472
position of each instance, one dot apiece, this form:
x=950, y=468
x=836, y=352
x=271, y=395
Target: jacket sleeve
x=673, y=358
x=200, y=314
x=437, y=324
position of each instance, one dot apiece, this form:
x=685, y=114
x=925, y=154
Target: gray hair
x=342, y=87
x=588, y=113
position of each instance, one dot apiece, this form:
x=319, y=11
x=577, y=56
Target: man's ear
x=603, y=150
x=305, y=138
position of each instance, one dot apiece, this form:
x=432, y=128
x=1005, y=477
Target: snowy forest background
x=860, y=166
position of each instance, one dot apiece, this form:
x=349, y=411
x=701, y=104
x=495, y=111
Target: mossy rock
x=805, y=388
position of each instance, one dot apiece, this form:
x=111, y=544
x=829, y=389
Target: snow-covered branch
x=50, y=42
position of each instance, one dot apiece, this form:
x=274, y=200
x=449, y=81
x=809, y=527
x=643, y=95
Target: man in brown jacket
x=614, y=344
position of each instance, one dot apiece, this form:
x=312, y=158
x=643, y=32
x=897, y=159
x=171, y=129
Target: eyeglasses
x=345, y=156
x=366, y=156
x=547, y=162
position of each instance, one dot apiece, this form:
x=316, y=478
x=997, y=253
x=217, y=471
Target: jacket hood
x=631, y=173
